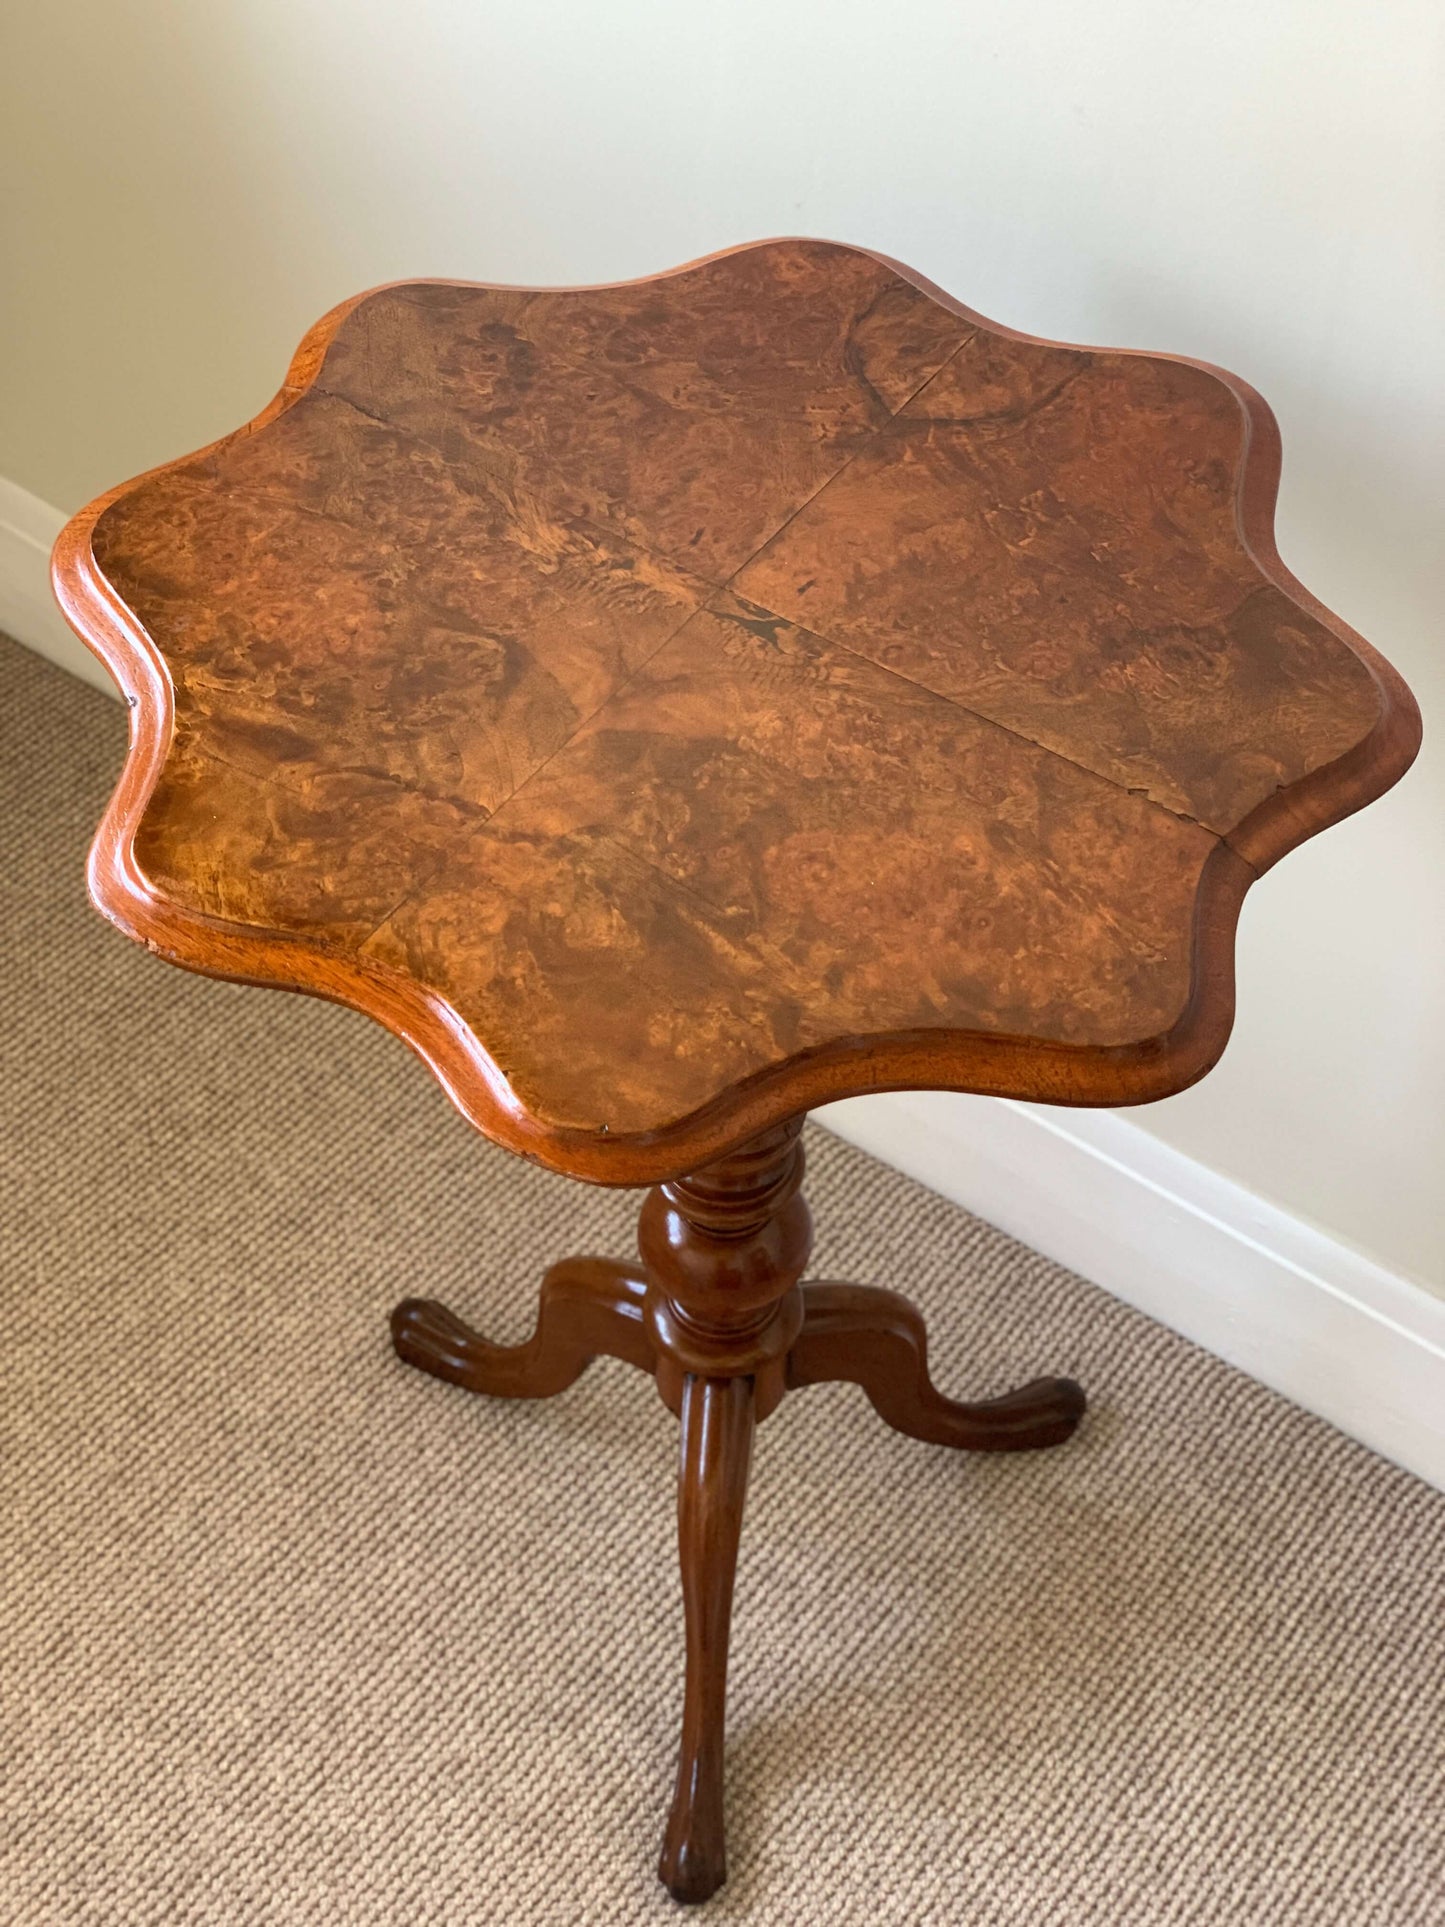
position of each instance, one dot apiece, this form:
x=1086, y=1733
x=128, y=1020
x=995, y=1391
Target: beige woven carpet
x=293, y=1635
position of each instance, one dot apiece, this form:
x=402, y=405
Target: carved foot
x=590, y=1307
x=717, y=1435
x=876, y=1339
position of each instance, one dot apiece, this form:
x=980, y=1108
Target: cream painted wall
x=1259, y=182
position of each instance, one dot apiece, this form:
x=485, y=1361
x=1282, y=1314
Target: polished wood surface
x=876, y=1338
x=673, y=705
x=717, y=1314
x=588, y=1308
x=718, y=1417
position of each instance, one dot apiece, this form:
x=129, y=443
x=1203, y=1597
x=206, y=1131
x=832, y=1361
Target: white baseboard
x=28, y=528
x=1307, y=1315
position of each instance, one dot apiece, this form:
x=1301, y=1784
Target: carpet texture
x=291, y=1634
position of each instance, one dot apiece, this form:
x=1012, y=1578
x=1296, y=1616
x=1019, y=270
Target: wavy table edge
x=982, y=1063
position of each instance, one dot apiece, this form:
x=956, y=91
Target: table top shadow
x=673, y=705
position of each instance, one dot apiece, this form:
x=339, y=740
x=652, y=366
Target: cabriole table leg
x=717, y=1440
x=724, y=1250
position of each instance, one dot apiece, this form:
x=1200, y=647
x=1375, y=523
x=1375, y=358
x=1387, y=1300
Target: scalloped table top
x=672, y=705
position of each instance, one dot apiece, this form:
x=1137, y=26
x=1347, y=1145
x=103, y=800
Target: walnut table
x=673, y=705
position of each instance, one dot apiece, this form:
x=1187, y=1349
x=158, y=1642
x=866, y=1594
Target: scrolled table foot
x=877, y=1339
x=589, y=1307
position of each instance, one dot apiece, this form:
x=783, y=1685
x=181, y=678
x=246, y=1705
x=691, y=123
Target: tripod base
x=716, y=1314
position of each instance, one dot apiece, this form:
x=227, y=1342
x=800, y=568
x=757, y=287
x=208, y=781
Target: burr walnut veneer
x=673, y=705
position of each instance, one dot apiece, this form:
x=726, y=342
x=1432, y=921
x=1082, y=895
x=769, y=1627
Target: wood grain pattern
x=672, y=705
x=1064, y=559
x=763, y=843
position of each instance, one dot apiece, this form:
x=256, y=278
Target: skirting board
x=28, y=528
x=1308, y=1316
x=1287, y=1304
